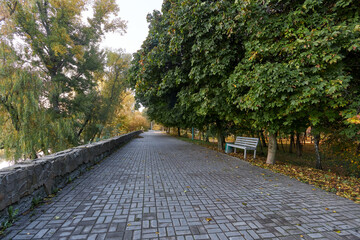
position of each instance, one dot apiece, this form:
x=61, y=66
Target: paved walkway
x=158, y=187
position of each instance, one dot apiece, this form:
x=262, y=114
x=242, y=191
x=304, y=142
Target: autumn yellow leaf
x=208, y=219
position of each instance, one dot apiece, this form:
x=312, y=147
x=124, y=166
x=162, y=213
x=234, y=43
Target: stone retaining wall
x=21, y=183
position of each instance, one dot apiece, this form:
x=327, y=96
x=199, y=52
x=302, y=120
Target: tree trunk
x=271, y=149
x=282, y=145
x=317, y=149
x=219, y=136
x=179, y=132
x=298, y=145
x=261, y=145
x=292, y=141
x=33, y=154
x=262, y=137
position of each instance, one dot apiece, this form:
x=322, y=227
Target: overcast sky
x=134, y=12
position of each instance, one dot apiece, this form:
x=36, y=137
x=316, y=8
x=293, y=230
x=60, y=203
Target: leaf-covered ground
x=348, y=187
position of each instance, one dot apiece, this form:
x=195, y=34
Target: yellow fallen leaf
x=244, y=203
x=237, y=167
x=208, y=219
x=326, y=209
x=218, y=200
x=334, y=211
x=129, y=224
x=57, y=217
x=157, y=233
x=337, y=231
x=301, y=236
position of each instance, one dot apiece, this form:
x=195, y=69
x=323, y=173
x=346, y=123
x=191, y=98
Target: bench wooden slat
x=247, y=138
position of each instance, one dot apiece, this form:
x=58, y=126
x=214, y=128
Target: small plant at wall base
x=35, y=202
x=11, y=218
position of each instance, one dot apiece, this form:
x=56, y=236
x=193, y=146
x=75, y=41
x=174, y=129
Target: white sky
x=134, y=12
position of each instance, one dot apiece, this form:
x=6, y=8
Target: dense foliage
x=273, y=66
x=58, y=89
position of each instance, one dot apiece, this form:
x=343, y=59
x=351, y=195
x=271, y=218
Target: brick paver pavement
x=158, y=187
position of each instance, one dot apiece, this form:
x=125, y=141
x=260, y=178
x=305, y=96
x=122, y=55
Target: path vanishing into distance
x=159, y=187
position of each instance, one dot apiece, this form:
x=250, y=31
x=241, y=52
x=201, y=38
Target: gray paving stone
x=158, y=187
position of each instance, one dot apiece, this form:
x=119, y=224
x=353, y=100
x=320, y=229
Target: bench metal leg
x=234, y=150
x=254, y=154
x=245, y=154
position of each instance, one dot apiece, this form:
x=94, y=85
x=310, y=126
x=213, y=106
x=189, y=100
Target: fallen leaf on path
x=208, y=219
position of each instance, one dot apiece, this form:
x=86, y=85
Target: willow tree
x=21, y=118
x=60, y=56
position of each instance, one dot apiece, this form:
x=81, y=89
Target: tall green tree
x=180, y=72
x=295, y=65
